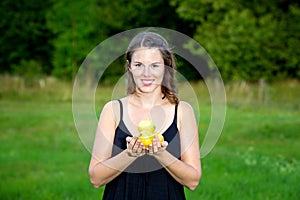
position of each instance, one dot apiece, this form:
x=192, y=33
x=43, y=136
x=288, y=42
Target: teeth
x=147, y=82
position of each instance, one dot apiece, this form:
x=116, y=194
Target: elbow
x=193, y=184
x=95, y=181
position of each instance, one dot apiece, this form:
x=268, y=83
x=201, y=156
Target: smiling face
x=151, y=66
x=147, y=68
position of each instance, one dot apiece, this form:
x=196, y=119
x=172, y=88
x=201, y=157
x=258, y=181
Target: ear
x=128, y=64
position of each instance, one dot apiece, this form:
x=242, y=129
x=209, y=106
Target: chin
x=148, y=89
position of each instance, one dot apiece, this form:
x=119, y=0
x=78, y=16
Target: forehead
x=147, y=55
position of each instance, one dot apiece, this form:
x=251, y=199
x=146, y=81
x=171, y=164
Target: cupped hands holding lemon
x=147, y=132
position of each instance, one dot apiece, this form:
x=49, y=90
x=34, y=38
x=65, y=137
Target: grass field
x=256, y=157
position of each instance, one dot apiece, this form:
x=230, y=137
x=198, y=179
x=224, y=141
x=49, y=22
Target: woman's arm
x=104, y=168
x=186, y=171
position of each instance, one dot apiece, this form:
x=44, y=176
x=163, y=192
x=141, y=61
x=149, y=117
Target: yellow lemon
x=146, y=133
x=147, y=130
x=146, y=140
x=146, y=125
x=160, y=137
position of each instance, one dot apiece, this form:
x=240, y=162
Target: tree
x=76, y=33
x=24, y=36
x=80, y=26
x=247, y=40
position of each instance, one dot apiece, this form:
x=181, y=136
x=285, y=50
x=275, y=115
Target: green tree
x=121, y=15
x=247, y=40
x=79, y=26
x=76, y=33
x=24, y=36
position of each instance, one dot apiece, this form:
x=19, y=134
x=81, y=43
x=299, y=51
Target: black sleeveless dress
x=145, y=178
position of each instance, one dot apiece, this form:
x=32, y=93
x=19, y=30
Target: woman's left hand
x=134, y=147
x=156, y=147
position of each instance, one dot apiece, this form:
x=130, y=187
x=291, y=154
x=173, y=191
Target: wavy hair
x=154, y=40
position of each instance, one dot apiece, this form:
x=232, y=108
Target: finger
x=150, y=151
x=162, y=147
x=128, y=139
x=136, y=145
x=132, y=142
x=158, y=142
x=155, y=147
x=143, y=150
x=147, y=149
x=140, y=147
x=164, y=144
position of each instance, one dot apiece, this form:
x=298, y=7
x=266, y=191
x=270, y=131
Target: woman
x=119, y=159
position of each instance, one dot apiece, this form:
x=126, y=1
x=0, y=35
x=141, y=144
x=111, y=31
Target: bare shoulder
x=110, y=105
x=185, y=114
x=111, y=109
x=184, y=107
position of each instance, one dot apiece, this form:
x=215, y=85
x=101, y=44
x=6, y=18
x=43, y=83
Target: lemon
x=147, y=130
x=160, y=137
x=146, y=140
x=146, y=126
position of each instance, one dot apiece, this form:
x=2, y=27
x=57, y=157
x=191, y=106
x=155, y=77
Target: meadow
x=256, y=157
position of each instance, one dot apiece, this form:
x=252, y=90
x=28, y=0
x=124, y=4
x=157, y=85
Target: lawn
x=42, y=157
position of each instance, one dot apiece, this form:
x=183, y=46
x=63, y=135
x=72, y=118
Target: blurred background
x=255, y=45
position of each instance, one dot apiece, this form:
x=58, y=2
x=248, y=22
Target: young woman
x=119, y=159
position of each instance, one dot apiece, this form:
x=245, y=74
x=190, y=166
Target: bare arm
x=104, y=168
x=186, y=171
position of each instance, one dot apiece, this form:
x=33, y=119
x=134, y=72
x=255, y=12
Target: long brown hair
x=154, y=40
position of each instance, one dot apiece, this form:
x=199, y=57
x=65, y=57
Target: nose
x=146, y=71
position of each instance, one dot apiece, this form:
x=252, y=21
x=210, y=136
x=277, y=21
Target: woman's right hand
x=135, y=147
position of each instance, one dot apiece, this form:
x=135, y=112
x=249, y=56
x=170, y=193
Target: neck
x=147, y=100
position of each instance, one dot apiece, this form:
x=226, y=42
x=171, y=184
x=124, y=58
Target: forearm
x=105, y=171
x=183, y=173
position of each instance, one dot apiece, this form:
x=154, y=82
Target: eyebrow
x=151, y=63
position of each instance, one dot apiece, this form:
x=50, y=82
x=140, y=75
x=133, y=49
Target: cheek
x=136, y=79
x=160, y=75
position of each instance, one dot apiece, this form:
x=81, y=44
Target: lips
x=147, y=82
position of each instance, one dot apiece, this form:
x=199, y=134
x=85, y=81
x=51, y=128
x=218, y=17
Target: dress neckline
x=127, y=130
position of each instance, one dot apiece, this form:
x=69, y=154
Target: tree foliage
x=75, y=26
x=248, y=40
x=79, y=26
x=24, y=36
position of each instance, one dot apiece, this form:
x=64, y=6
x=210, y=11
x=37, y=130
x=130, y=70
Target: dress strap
x=175, y=115
x=121, y=109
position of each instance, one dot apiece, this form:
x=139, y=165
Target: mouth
x=147, y=82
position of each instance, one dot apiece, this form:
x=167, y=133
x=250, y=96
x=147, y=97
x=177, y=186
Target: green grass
x=256, y=157
x=41, y=154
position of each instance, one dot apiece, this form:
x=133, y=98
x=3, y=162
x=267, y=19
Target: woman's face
x=147, y=67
